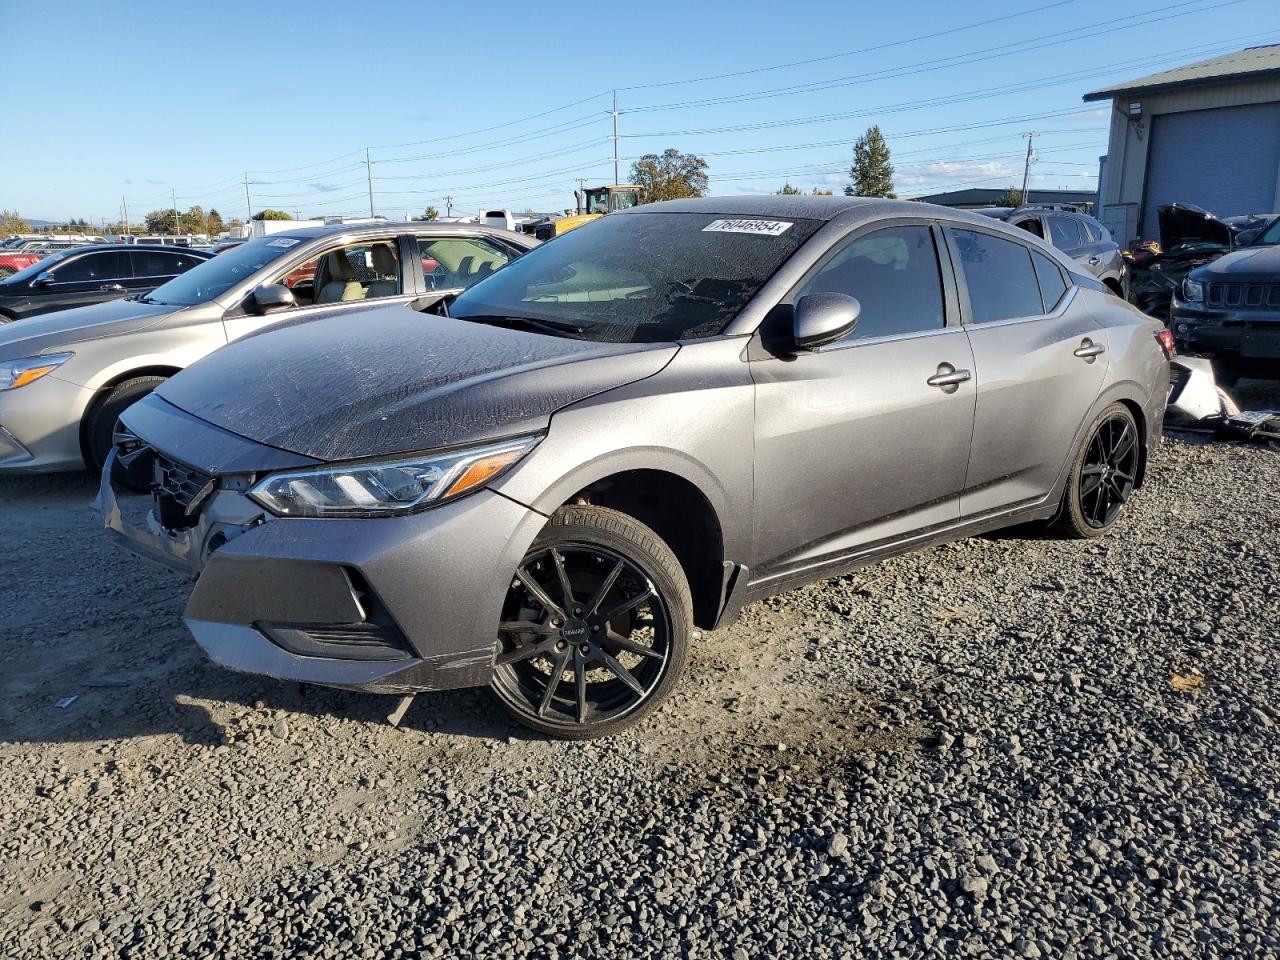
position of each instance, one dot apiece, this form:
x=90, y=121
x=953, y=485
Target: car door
x=347, y=274
x=1039, y=360
x=91, y=277
x=867, y=439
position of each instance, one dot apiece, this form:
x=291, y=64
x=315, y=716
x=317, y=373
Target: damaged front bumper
x=387, y=605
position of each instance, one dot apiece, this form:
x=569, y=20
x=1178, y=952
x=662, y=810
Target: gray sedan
x=65, y=377
x=548, y=484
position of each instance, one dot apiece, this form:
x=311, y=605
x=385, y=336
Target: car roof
x=848, y=209
x=382, y=226
x=168, y=248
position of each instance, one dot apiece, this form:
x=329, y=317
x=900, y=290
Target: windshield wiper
x=538, y=325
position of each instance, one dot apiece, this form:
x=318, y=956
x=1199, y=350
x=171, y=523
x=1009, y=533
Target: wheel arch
x=103, y=390
x=679, y=511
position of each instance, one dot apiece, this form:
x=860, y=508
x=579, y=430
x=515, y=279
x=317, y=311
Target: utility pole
x=614, y=138
x=579, y=196
x=448, y=206
x=368, y=168
x=247, y=204
x=124, y=206
x=1026, y=167
x=177, y=223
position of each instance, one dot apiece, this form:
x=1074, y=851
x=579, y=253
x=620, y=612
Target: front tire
x=1103, y=475
x=101, y=425
x=595, y=626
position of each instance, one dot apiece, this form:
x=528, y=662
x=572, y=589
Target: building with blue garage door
x=1207, y=133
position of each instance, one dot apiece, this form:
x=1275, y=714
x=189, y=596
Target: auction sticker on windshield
x=285, y=242
x=769, y=228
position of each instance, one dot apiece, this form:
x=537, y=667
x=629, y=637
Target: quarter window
x=1052, y=286
x=1002, y=283
x=894, y=275
x=452, y=262
x=107, y=265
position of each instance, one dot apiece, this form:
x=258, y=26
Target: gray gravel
x=1008, y=746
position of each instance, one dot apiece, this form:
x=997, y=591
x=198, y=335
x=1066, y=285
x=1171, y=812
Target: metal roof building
x=1207, y=133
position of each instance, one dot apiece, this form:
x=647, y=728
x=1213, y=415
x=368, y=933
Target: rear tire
x=101, y=424
x=601, y=598
x=1103, y=474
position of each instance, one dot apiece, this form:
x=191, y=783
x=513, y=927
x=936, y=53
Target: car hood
x=1253, y=264
x=1187, y=223
x=390, y=380
x=30, y=336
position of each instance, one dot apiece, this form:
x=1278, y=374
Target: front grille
x=179, y=491
x=1243, y=295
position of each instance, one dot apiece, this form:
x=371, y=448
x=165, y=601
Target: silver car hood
x=389, y=380
x=51, y=332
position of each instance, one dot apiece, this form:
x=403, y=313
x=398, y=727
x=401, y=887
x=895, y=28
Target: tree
x=822, y=193
x=12, y=222
x=789, y=191
x=272, y=215
x=160, y=221
x=871, y=173
x=213, y=222
x=1012, y=197
x=431, y=213
x=670, y=176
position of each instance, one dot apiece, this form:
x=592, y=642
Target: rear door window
x=894, y=275
x=1001, y=280
x=1065, y=233
x=93, y=267
x=452, y=262
x=160, y=263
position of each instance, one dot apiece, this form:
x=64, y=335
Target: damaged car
x=1189, y=237
x=1228, y=311
x=550, y=483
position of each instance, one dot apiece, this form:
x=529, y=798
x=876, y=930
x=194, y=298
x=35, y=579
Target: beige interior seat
x=384, y=265
x=342, y=284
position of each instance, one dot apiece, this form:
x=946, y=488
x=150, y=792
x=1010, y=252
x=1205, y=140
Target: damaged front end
x=1189, y=238
x=1198, y=405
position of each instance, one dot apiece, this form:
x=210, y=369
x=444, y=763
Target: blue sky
x=508, y=107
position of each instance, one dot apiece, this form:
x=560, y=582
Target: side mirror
x=824, y=318
x=43, y=278
x=271, y=297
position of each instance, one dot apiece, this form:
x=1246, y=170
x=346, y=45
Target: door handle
x=1088, y=350
x=948, y=378
x=113, y=287
x=1094, y=261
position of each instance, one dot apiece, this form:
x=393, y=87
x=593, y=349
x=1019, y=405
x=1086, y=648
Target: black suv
x=1078, y=235
x=80, y=276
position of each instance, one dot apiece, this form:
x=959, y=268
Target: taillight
x=1165, y=339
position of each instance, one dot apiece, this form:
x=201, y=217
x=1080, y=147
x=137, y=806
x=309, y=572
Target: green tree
x=11, y=222
x=822, y=193
x=160, y=221
x=431, y=213
x=213, y=222
x=1010, y=198
x=789, y=191
x=272, y=215
x=193, y=221
x=871, y=173
x=670, y=176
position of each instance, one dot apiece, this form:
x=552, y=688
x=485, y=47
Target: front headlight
x=1192, y=290
x=387, y=487
x=18, y=373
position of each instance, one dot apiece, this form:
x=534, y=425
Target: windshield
x=218, y=275
x=1269, y=236
x=40, y=266
x=640, y=278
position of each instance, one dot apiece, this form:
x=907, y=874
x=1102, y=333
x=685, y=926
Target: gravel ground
x=1007, y=746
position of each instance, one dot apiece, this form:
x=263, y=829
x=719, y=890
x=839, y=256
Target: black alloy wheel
x=593, y=628
x=1104, y=474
